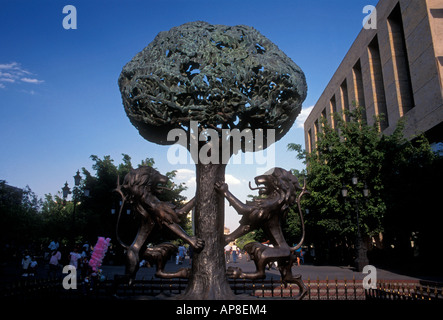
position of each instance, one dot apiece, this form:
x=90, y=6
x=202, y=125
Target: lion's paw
x=197, y=243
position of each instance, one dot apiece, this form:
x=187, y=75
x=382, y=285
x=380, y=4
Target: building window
x=309, y=141
x=378, y=89
x=323, y=114
x=402, y=75
x=344, y=99
x=316, y=132
x=359, y=94
x=333, y=111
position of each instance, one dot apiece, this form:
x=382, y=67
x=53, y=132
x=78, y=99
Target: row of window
x=372, y=76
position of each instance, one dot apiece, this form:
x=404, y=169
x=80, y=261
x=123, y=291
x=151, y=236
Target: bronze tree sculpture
x=220, y=77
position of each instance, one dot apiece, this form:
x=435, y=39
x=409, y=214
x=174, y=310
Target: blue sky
x=59, y=98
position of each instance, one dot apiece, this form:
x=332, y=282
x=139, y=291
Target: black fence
x=317, y=289
x=406, y=290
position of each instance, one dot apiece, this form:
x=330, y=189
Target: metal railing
x=406, y=290
x=336, y=289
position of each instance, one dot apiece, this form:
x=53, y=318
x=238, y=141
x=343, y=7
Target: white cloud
x=299, y=122
x=8, y=66
x=14, y=73
x=230, y=179
x=185, y=176
x=191, y=182
x=7, y=80
x=31, y=80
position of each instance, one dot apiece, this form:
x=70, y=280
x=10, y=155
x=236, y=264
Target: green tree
x=390, y=167
x=95, y=211
x=25, y=219
x=350, y=149
x=247, y=238
x=19, y=215
x=56, y=219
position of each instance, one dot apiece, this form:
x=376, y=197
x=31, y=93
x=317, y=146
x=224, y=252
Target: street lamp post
x=361, y=259
x=66, y=191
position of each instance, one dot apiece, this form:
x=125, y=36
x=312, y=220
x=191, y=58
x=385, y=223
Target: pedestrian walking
x=228, y=253
x=181, y=254
x=33, y=267
x=26, y=261
x=74, y=256
x=54, y=262
x=234, y=253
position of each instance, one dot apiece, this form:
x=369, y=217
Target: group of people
x=29, y=265
x=233, y=251
x=78, y=257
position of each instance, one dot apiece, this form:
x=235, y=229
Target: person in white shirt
x=228, y=253
x=53, y=263
x=74, y=257
x=33, y=267
x=26, y=261
x=234, y=253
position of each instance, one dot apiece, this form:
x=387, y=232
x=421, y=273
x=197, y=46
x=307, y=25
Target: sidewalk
x=307, y=271
x=12, y=272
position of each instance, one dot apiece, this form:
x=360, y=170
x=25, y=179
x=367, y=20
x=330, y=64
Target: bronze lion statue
x=141, y=188
x=278, y=190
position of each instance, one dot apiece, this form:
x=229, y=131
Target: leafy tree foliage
x=389, y=166
x=24, y=219
x=19, y=215
x=102, y=200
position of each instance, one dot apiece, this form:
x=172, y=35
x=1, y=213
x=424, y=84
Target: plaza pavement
x=12, y=272
x=307, y=271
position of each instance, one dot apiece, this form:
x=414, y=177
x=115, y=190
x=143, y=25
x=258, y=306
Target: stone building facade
x=395, y=69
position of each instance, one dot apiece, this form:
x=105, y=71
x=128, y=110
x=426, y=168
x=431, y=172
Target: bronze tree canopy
x=221, y=76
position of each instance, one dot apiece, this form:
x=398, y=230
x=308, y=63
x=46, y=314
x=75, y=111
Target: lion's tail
x=124, y=245
x=303, y=192
x=118, y=190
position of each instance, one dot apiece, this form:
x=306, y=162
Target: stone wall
x=395, y=70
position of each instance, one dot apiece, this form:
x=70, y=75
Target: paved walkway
x=12, y=272
x=307, y=271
